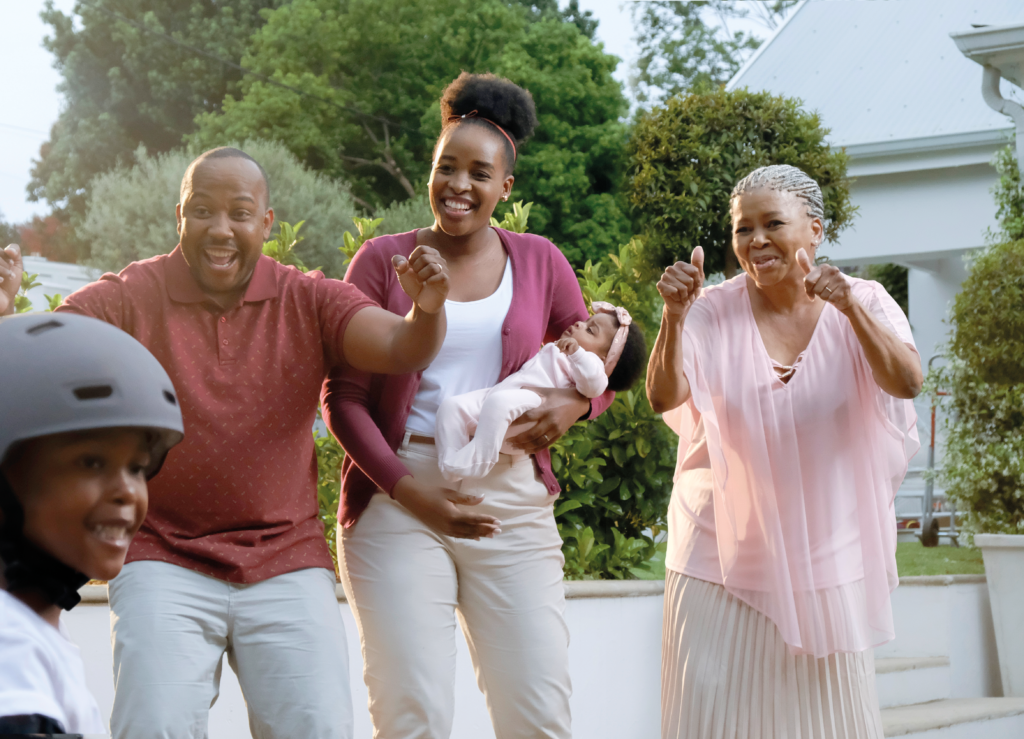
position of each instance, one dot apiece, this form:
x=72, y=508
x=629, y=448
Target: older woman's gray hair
x=784, y=178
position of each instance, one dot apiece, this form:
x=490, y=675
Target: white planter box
x=1004, y=569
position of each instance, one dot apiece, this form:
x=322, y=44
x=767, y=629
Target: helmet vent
x=93, y=392
x=43, y=328
x=169, y=397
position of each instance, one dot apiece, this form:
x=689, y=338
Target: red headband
x=476, y=114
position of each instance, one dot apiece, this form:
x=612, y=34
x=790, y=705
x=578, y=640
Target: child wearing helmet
x=88, y=417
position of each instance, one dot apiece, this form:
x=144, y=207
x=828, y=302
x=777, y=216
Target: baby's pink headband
x=615, y=351
x=476, y=114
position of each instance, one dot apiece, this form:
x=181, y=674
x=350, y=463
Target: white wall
x=948, y=617
x=933, y=285
x=615, y=657
x=918, y=215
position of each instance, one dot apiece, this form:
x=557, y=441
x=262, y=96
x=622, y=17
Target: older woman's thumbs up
x=681, y=283
x=825, y=281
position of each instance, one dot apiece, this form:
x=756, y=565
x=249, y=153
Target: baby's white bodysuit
x=486, y=415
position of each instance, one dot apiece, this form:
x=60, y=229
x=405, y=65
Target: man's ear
x=268, y=223
x=177, y=215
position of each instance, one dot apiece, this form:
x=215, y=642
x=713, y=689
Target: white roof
x=879, y=72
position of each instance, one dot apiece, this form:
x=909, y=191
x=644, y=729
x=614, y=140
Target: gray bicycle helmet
x=63, y=372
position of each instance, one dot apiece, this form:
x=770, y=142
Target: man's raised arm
x=381, y=342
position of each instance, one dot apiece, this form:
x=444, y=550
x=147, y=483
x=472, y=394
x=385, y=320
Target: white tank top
x=470, y=357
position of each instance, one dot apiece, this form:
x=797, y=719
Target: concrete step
x=957, y=718
x=904, y=681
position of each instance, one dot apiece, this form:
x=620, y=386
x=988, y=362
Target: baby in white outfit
x=472, y=427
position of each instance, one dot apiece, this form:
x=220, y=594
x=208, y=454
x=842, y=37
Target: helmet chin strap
x=26, y=566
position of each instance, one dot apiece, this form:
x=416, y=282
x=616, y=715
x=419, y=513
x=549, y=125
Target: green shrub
x=1009, y=196
x=405, y=215
x=687, y=155
x=983, y=467
x=893, y=277
x=616, y=471
x=130, y=212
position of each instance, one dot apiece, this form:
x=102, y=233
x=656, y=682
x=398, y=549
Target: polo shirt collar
x=183, y=288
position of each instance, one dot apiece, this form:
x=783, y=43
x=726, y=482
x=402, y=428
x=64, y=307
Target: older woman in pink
x=790, y=386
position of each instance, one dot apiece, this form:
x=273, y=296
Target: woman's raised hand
x=424, y=277
x=681, y=283
x=439, y=508
x=826, y=281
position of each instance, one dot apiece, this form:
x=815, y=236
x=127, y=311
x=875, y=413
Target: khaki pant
x=283, y=637
x=405, y=583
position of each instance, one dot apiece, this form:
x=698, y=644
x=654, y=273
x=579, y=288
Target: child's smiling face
x=595, y=334
x=84, y=495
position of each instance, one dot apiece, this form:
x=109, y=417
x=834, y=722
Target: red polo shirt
x=237, y=498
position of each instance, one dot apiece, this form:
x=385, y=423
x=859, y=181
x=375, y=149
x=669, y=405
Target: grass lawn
x=914, y=559
x=911, y=559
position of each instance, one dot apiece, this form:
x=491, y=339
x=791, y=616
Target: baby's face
x=595, y=334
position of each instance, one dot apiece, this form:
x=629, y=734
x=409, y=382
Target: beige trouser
x=405, y=583
x=283, y=637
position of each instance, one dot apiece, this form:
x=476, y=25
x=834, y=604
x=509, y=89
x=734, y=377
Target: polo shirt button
x=507, y=331
x=223, y=319
x=225, y=342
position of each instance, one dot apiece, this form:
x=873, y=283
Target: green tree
x=127, y=82
x=689, y=47
x=130, y=210
x=9, y=233
x=373, y=71
x=686, y=157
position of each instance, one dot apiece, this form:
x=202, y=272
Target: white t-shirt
x=470, y=358
x=41, y=671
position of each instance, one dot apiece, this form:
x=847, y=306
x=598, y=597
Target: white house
x=55, y=278
x=906, y=104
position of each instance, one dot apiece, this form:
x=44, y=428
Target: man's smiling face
x=223, y=220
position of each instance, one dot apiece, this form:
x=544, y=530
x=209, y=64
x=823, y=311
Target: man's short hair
x=222, y=152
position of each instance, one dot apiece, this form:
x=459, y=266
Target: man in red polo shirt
x=232, y=558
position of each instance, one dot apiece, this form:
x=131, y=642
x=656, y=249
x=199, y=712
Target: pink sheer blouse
x=784, y=491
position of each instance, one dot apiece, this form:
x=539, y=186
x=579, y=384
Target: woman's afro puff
x=631, y=363
x=493, y=98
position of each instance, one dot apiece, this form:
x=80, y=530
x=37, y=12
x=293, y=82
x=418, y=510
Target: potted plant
x=983, y=468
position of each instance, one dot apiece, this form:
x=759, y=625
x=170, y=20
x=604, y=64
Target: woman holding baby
x=417, y=546
x=790, y=388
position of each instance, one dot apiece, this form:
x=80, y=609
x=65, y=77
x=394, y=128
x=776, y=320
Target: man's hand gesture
x=424, y=278
x=11, y=270
x=681, y=283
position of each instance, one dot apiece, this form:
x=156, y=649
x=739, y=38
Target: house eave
x=929, y=152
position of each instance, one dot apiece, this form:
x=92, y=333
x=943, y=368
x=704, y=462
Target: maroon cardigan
x=367, y=413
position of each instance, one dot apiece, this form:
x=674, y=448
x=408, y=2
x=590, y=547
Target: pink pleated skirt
x=726, y=673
